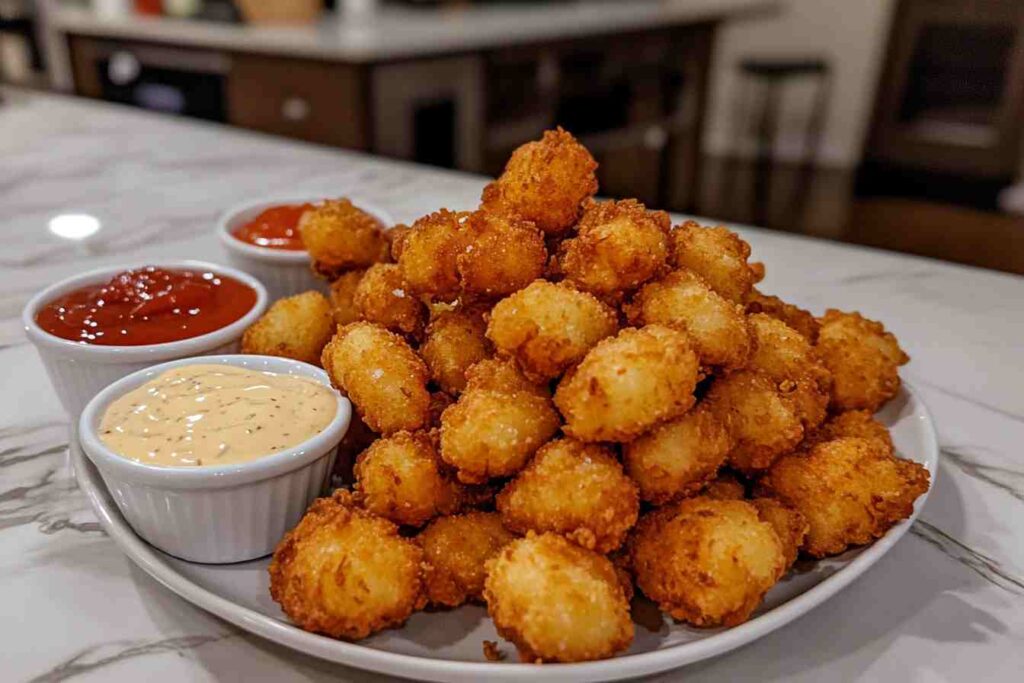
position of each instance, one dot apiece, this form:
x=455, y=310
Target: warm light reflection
x=74, y=226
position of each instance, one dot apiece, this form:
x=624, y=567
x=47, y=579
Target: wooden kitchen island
x=456, y=87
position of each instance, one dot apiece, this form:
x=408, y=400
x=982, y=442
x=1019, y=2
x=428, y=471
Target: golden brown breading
x=788, y=359
x=677, y=458
x=503, y=375
x=789, y=524
x=681, y=299
x=381, y=374
x=575, y=489
x=455, y=341
x=339, y=236
x=400, y=477
x=357, y=439
x=344, y=572
x=545, y=182
x=706, y=562
x=383, y=297
x=295, y=327
x=851, y=491
x=864, y=360
x=628, y=383
x=763, y=422
x=455, y=550
x=396, y=238
x=556, y=601
x=618, y=246
x=716, y=254
x=488, y=434
x=428, y=252
x=548, y=327
x=726, y=486
x=858, y=423
x=342, y=296
x=504, y=253
x=800, y=320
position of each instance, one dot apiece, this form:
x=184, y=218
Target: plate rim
x=359, y=656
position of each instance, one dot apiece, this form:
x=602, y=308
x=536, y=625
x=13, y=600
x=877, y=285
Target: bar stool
x=770, y=75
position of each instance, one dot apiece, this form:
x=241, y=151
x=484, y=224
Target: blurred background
x=893, y=123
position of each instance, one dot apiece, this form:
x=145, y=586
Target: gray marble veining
x=944, y=605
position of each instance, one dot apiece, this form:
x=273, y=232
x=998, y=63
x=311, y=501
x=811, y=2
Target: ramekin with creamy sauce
x=213, y=459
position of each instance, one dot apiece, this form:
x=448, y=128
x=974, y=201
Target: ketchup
x=147, y=306
x=275, y=228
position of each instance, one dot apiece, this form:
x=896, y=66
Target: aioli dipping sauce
x=275, y=228
x=203, y=415
x=147, y=306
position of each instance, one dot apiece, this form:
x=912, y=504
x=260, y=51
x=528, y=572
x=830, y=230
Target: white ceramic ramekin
x=78, y=371
x=222, y=514
x=284, y=272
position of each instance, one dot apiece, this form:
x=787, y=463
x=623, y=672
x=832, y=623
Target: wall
x=850, y=34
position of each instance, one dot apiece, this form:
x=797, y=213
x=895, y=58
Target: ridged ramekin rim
x=220, y=476
x=97, y=353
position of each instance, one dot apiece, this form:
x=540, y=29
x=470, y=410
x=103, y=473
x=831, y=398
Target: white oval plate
x=447, y=646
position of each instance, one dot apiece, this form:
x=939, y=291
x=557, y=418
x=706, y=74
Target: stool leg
x=815, y=126
x=764, y=160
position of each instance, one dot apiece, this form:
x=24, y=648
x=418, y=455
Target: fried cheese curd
x=706, y=562
x=618, y=246
x=679, y=457
x=864, y=359
x=851, y=490
x=455, y=341
x=548, y=327
x=574, y=489
x=339, y=236
x=357, y=439
x=296, y=327
x=557, y=601
x=859, y=423
x=346, y=573
x=428, y=252
x=495, y=426
x=396, y=240
x=383, y=297
x=628, y=383
x=716, y=254
x=763, y=422
x=681, y=299
x=789, y=524
x=455, y=551
x=504, y=253
x=788, y=359
x=382, y=376
x=342, y=297
x=400, y=477
x=504, y=376
x=800, y=320
x=726, y=486
x=545, y=182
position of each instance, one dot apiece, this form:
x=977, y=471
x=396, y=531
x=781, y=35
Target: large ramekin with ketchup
x=263, y=238
x=94, y=328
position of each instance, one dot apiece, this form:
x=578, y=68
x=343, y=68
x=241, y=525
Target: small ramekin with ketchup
x=94, y=328
x=263, y=239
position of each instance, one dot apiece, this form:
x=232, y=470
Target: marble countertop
x=947, y=603
x=397, y=32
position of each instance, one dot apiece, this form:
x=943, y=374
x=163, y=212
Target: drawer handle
x=295, y=109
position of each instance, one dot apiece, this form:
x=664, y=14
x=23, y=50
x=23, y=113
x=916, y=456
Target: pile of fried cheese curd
x=562, y=401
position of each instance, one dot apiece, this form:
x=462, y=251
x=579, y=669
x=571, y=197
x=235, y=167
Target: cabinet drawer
x=316, y=101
